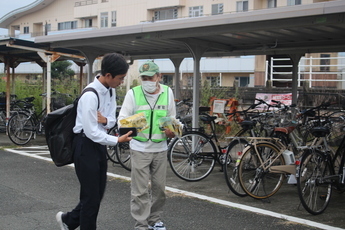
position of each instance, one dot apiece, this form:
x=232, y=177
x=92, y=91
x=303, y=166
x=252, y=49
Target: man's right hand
x=125, y=137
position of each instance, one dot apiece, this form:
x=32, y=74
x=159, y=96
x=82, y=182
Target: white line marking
x=207, y=198
x=37, y=147
x=37, y=152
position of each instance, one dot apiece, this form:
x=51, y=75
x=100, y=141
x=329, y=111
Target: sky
x=8, y=6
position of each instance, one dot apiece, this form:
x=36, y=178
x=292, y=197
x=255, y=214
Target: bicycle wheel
x=337, y=120
x=192, y=157
x=314, y=189
x=2, y=121
x=123, y=155
x=254, y=173
x=235, y=150
x=111, y=152
x=20, y=128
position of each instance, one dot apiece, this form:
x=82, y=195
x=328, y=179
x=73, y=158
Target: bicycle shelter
x=29, y=51
x=261, y=32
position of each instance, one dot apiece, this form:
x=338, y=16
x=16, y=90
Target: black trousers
x=91, y=168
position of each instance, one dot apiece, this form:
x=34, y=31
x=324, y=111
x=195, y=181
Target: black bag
x=59, y=131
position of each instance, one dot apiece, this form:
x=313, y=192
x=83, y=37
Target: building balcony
x=85, y=9
x=158, y=4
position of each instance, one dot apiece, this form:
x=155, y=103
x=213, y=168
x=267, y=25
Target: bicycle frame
x=213, y=137
x=266, y=165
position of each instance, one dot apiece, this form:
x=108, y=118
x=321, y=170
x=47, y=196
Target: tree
x=61, y=70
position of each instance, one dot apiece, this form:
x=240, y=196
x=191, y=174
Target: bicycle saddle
x=208, y=118
x=285, y=130
x=247, y=124
x=29, y=99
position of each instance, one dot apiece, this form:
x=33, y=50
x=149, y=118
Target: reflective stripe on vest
x=160, y=109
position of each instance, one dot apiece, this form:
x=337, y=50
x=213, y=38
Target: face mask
x=149, y=86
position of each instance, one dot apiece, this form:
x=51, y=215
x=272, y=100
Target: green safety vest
x=160, y=109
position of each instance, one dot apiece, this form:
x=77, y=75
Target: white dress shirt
x=87, y=114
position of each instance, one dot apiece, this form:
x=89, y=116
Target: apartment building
x=48, y=17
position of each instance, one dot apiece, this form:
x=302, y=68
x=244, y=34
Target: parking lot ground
x=283, y=205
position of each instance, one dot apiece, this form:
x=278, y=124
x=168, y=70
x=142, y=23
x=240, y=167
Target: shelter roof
x=312, y=28
x=26, y=51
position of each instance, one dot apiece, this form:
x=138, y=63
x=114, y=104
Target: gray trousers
x=147, y=199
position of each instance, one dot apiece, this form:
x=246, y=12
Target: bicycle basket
x=58, y=102
x=320, y=131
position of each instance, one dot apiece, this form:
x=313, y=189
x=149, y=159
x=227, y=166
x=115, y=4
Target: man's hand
x=125, y=137
x=101, y=119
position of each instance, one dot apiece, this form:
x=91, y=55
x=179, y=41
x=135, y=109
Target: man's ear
x=108, y=75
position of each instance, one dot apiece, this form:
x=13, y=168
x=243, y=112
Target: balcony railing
x=309, y=72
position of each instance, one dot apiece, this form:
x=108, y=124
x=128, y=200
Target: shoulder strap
x=93, y=90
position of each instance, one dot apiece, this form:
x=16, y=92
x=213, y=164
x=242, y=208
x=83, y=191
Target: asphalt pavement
x=33, y=190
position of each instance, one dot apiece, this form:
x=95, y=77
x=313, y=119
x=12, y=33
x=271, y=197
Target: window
x=196, y=11
x=67, y=25
x=213, y=81
x=217, y=9
x=113, y=18
x=190, y=81
x=242, y=6
x=293, y=2
x=271, y=3
x=104, y=20
x=88, y=23
x=325, y=62
x=26, y=30
x=47, y=28
x=166, y=14
x=242, y=81
x=167, y=80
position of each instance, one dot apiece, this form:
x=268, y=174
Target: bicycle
x=319, y=171
x=262, y=168
x=253, y=125
x=192, y=157
x=24, y=125
x=14, y=106
x=317, y=175
x=266, y=161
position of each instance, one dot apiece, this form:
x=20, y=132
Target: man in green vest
x=149, y=147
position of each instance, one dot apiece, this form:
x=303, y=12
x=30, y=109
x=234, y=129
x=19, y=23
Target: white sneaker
x=158, y=226
x=62, y=225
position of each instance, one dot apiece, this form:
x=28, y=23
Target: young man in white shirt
x=95, y=114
